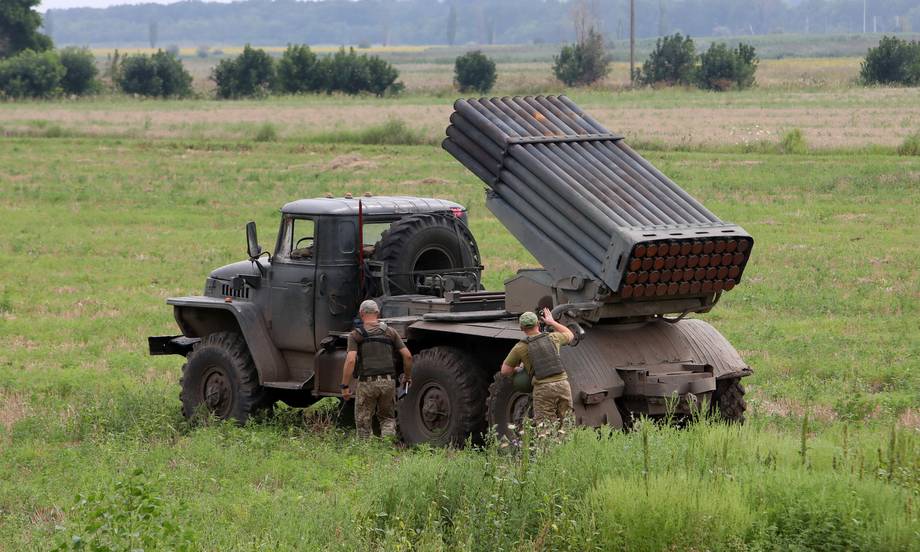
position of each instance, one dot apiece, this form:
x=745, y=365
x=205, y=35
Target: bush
x=474, y=71
x=722, y=68
x=266, y=133
x=30, y=74
x=250, y=74
x=80, y=71
x=583, y=63
x=671, y=62
x=793, y=142
x=158, y=75
x=299, y=71
x=893, y=61
x=353, y=74
x=910, y=145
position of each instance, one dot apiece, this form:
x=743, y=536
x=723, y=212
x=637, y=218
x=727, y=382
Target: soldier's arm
x=407, y=363
x=347, y=371
x=511, y=362
x=550, y=321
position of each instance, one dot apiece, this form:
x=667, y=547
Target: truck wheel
x=729, y=399
x=446, y=402
x=507, y=406
x=220, y=377
x=425, y=242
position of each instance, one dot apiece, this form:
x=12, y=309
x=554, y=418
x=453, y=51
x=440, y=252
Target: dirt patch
x=430, y=181
x=789, y=408
x=910, y=419
x=13, y=407
x=350, y=162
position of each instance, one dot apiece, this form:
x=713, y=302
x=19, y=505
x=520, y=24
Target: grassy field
x=102, y=224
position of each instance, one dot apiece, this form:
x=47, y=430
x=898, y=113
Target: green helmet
x=521, y=381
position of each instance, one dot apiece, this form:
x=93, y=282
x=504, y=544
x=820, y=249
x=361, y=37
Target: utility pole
x=864, y=16
x=632, y=40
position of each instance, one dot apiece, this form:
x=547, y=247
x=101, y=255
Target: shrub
x=158, y=75
x=671, y=62
x=203, y=51
x=893, y=61
x=582, y=63
x=346, y=71
x=474, y=71
x=793, y=142
x=31, y=74
x=299, y=71
x=250, y=74
x=80, y=71
x=266, y=133
x=910, y=145
x=722, y=68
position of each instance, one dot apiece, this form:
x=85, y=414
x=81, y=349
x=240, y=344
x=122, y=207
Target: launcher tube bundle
x=586, y=205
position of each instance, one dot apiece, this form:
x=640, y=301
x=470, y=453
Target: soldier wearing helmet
x=371, y=347
x=538, y=354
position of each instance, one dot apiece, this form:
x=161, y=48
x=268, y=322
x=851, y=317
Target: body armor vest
x=375, y=354
x=544, y=358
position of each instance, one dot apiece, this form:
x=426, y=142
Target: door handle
x=322, y=283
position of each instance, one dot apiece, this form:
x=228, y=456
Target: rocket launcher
x=587, y=206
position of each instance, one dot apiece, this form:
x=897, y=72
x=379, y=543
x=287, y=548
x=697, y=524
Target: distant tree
x=80, y=71
x=31, y=74
x=346, y=71
x=582, y=63
x=722, y=68
x=299, y=71
x=474, y=71
x=19, y=24
x=671, y=62
x=893, y=61
x=452, y=25
x=250, y=74
x=48, y=24
x=158, y=75
x=382, y=77
x=152, y=33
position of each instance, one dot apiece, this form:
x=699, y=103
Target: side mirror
x=252, y=241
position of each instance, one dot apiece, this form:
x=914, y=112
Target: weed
x=910, y=145
x=793, y=141
x=393, y=132
x=266, y=133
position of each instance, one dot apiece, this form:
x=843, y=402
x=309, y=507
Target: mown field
x=108, y=206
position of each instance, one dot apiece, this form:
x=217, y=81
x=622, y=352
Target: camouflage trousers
x=375, y=397
x=552, y=402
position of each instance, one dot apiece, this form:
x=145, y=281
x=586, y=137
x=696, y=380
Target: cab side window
x=303, y=242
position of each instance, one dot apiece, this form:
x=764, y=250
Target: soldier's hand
x=346, y=393
x=548, y=316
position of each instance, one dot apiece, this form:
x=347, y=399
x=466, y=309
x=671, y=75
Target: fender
x=196, y=318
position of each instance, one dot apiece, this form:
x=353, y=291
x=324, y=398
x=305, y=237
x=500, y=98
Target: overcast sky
x=59, y=4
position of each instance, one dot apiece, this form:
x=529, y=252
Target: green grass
x=99, y=231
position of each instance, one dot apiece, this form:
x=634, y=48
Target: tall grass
x=393, y=132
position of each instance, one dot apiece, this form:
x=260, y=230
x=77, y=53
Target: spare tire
x=426, y=242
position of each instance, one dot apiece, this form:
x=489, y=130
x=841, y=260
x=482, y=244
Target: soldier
x=538, y=352
x=372, y=346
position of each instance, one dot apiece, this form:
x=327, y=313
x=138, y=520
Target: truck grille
x=227, y=291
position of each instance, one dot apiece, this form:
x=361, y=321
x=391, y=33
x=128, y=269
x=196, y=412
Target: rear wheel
x=729, y=399
x=446, y=402
x=507, y=407
x=220, y=378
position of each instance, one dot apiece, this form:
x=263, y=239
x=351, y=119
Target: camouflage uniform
x=375, y=393
x=552, y=396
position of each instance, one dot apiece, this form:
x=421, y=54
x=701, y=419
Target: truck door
x=337, y=286
x=293, y=284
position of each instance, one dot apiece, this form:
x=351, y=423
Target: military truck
x=626, y=256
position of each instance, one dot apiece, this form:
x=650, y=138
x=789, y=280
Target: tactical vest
x=544, y=358
x=375, y=354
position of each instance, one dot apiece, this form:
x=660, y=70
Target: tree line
x=460, y=21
